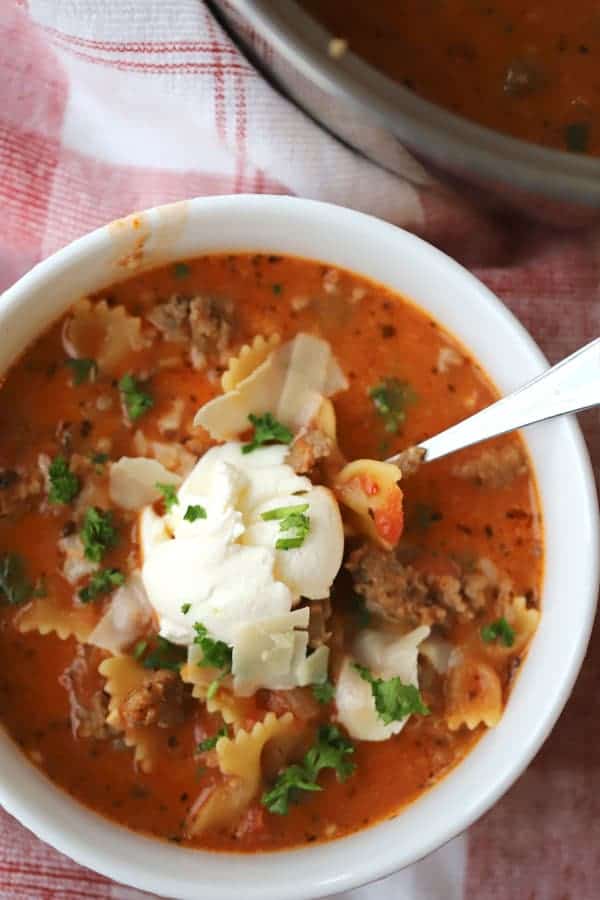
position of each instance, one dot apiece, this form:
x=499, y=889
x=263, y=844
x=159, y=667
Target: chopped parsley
x=214, y=686
x=390, y=398
x=181, y=270
x=98, y=533
x=267, y=429
x=139, y=649
x=185, y=608
x=102, y=582
x=424, y=516
x=169, y=492
x=83, y=370
x=15, y=587
x=194, y=512
x=577, y=137
x=292, y=519
x=500, y=629
x=323, y=692
x=211, y=742
x=216, y=654
x=64, y=484
x=99, y=459
x=361, y=611
x=163, y=655
x=277, y=289
x=137, y=401
x=330, y=752
x=394, y=700
x=41, y=588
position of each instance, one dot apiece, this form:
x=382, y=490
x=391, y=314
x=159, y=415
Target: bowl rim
x=303, y=42
x=128, y=857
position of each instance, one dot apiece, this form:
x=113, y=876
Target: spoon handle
x=568, y=387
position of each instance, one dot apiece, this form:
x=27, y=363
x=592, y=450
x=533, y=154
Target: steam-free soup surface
x=473, y=518
x=529, y=69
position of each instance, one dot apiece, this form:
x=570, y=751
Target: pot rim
x=304, y=44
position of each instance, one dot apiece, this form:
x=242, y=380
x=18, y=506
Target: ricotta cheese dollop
x=218, y=565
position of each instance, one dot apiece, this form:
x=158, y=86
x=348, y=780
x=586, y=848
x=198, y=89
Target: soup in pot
x=528, y=69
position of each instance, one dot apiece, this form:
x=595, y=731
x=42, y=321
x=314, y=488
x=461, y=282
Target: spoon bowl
x=568, y=387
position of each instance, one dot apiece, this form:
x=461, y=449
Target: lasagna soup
x=525, y=67
x=226, y=622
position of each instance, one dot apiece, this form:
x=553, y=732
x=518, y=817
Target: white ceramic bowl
x=405, y=263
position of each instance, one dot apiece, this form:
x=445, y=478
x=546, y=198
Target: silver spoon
x=568, y=387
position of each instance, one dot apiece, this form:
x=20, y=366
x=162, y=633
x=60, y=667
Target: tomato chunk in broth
x=153, y=730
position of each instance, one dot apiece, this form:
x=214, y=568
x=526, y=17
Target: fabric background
x=107, y=106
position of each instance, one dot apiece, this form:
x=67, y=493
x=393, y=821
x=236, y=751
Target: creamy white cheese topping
x=225, y=571
x=387, y=656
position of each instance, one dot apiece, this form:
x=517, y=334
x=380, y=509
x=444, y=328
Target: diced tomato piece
x=389, y=521
x=368, y=485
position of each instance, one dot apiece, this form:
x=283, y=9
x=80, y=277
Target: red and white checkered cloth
x=107, y=106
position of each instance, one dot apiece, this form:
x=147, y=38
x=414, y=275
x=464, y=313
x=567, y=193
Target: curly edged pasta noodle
x=221, y=700
x=239, y=760
x=473, y=695
x=46, y=615
x=249, y=358
x=124, y=675
x=107, y=334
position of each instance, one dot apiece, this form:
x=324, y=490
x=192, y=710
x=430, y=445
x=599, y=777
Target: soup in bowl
x=227, y=622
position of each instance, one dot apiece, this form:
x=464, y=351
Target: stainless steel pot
x=373, y=114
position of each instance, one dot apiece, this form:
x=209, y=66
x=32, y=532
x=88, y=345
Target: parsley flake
x=139, y=649
x=323, y=692
x=330, y=752
x=390, y=398
x=185, y=608
x=102, y=582
x=41, y=588
x=98, y=533
x=64, y=484
x=292, y=519
x=394, y=700
x=169, y=492
x=181, y=270
x=211, y=742
x=500, y=629
x=216, y=654
x=267, y=429
x=163, y=655
x=577, y=137
x=424, y=516
x=214, y=687
x=361, y=611
x=15, y=587
x=83, y=370
x=137, y=401
x=194, y=512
